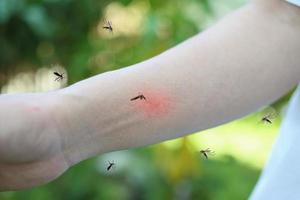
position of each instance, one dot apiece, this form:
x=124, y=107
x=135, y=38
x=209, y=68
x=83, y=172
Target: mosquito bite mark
x=152, y=103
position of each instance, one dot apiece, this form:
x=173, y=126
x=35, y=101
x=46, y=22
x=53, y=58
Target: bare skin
x=225, y=69
x=30, y=148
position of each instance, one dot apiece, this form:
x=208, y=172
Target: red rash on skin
x=157, y=103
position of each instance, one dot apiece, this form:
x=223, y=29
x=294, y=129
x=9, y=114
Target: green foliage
x=35, y=33
x=145, y=175
x=45, y=31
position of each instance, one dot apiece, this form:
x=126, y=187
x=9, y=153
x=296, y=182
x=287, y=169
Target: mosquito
x=110, y=165
x=108, y=26
x=59, y=76
x=141, y=97
x=207, y=152
x=267, y=118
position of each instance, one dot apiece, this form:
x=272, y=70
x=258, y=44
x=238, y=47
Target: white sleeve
x=295, y=2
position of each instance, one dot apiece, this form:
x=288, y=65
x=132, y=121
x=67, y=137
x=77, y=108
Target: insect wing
x=270, y=113
x=105, y=21
x=210, y=152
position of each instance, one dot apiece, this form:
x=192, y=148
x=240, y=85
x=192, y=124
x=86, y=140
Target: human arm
x=247, y=60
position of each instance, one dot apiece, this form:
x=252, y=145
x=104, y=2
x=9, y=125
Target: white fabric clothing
x=281, y=177
x=295, y=2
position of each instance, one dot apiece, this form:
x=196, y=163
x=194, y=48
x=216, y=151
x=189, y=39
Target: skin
x=157, y=103
x=247, y=60
x=30, y=144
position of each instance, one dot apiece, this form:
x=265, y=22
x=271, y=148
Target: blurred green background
x=38, y=37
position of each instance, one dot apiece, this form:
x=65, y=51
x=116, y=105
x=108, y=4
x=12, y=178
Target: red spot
x=35, y=109
x=157, y=103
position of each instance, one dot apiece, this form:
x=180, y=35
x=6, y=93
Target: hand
x=31, y=153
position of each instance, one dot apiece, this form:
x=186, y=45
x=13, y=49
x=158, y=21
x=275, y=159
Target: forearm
x=247, y=60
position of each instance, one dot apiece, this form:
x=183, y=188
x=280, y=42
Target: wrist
x=28, y=133
x=72, y=124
